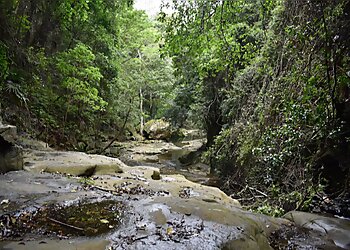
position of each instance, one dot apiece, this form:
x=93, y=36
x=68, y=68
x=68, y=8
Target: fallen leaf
x=104, y=221
x=169, y=230
x=13, y=220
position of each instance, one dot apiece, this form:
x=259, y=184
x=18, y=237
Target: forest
x=267, y=80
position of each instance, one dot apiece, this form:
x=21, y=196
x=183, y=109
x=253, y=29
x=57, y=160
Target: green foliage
x=86, y=181
x=77, y=68
x=142, y=70
x=4, y=65
x=285, y=88
x=270, y=210
x=80, y=78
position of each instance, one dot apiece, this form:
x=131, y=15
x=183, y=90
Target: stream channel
x=53, y=205
x=171, y=158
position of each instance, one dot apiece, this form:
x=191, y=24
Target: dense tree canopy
x=274, y=83
x=73, y=68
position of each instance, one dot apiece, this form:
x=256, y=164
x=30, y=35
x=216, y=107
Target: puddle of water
x=84, y=219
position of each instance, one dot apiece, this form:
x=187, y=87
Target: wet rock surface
x=292, y=237
x=182, y=158
x=42, y=208
x=337, y=206
x=56, y=244
x=117, y=206
x=335, y=229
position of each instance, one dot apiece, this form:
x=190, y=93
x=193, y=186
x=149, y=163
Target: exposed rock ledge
x=209, y=218
x=11, y=157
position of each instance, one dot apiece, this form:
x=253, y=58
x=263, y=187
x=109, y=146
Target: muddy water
x=90, y=219
x=81, y=219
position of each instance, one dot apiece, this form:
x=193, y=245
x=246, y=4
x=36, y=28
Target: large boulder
x=157, y=130
x=11, y=155
x=192, y=134
x=8, y=132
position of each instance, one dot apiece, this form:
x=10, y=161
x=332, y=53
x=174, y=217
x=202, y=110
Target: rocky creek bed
x=71, y=200
x=180, y=158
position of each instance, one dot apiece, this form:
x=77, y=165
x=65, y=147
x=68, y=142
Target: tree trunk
x=213, y=119
x=141, y=100
x=141, y=112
